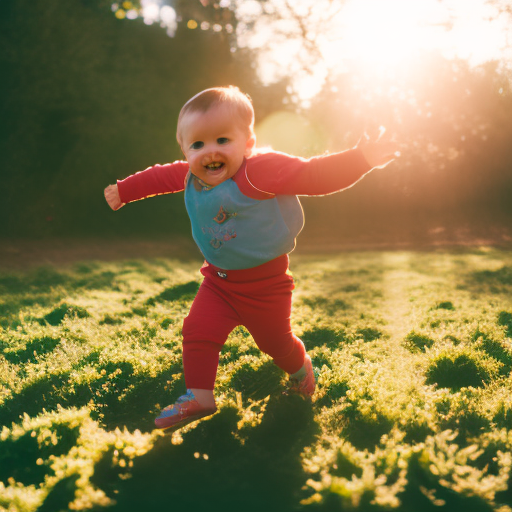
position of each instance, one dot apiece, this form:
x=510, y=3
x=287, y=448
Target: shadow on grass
x=116, y=399
x=499, y=351
x=257, y=383
x=18, y=458
x=333, y=393
x=232, y=352
x=142, y=401
x=38, y=279
x=424, y=493
x=505, y=320
x=320, y=336
x=184, y=292
x=57, y=315
x=44, y=286
x=328, y=306
x=492, y=281
x=333, y=338
x=459, y=369
x=216, y=471
x=43, y=278
x=34, y=348
x=418, y=342
x=61, y=495
x=43, y=393
x=364, y=428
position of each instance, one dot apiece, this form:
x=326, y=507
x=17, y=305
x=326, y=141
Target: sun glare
x=374, y=38
x=381, y=34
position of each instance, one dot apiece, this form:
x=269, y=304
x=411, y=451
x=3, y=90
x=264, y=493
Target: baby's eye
x=222, y=140
x=198, y=144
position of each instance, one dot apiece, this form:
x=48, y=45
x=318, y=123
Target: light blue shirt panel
x=234, y=231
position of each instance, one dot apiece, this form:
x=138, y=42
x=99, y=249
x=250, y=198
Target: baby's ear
x=249, y=146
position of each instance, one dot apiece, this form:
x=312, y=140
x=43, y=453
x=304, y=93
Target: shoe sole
x=184, y=421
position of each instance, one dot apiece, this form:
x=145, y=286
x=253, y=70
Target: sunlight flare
x=383, y=34
x=311, y=40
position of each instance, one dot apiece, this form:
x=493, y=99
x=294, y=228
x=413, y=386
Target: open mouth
x=215, y=166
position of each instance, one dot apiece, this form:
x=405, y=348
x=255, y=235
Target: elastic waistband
x=272, y=268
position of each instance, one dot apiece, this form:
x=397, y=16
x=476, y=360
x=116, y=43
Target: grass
x=413, y=410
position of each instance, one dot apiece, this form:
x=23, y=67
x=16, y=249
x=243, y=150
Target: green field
x=413, y=409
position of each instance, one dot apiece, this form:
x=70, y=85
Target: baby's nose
x=211, y=157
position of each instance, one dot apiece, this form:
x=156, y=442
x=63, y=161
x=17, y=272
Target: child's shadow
x=213, y=469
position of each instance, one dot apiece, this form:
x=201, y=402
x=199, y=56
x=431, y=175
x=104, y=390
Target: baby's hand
x=379, y=152
x=113, y=198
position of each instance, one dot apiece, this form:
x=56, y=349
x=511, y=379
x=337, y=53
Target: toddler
x=245, y=217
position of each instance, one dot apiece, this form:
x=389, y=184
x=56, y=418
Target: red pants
x=258, y=298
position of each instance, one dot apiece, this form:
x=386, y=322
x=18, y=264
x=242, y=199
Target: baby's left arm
x=279, y=173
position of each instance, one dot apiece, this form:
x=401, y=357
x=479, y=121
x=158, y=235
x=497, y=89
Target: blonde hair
x=231, y=96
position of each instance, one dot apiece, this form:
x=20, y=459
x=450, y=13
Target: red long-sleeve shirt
x=261, y=176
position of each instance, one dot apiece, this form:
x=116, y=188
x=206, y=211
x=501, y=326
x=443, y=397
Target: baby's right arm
x=113, y=198
x=153, y=181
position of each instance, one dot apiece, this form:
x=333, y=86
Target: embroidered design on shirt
x=223, y=216
x=224, y=230
x=219, y=235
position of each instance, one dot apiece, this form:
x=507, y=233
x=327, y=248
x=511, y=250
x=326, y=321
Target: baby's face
x=214, y=144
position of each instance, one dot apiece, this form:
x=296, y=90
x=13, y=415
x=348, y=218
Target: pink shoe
x=184, y=411
x=306, y=386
